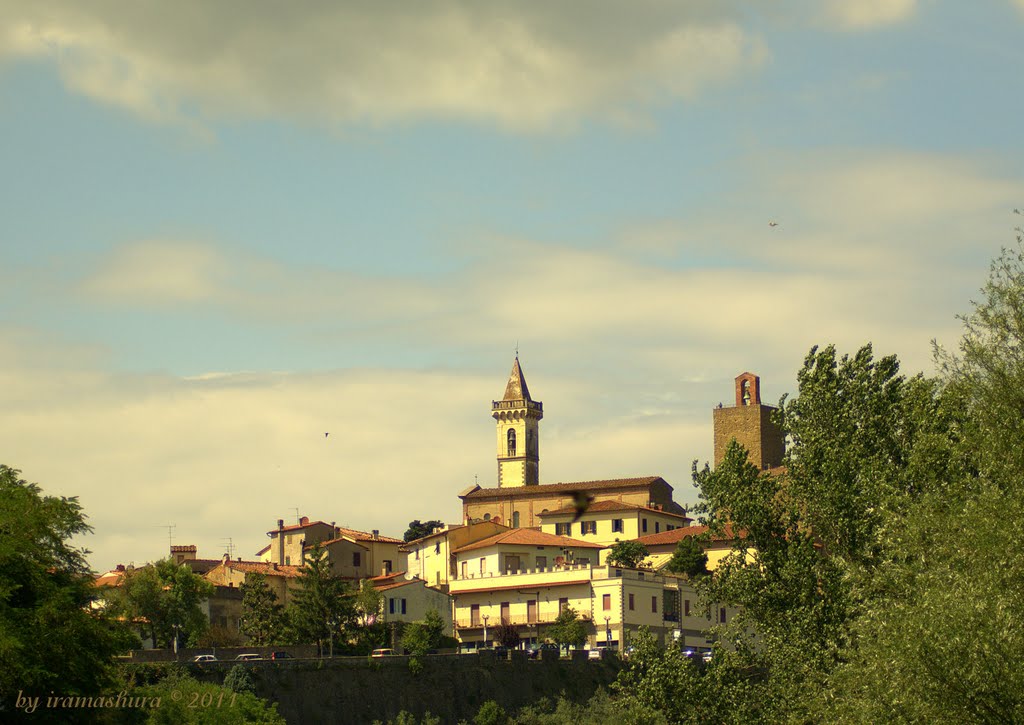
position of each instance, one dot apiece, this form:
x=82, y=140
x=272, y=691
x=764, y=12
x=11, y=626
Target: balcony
x=520, y=620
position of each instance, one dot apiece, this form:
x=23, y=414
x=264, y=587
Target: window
x=287, y=561
x=563, y=604
x=583, y=560
x=542, y=562
x=387, y=566
x=403, y=606
x=721, y=615
x=631, y=603
x=511, y=564
x=483, y=565
x=686, y=607
x=531, y=610
x=391, y=605
x=437, y=548
x=487, y=517
x=606, y=602
x=474, y=615
x=417, y=557
x=515, y=519
x=654, y=605
x=669, y=527
x=657, y=527
x=356, y=559
x=643, y=525
x=511, y=442
x=616, y=526
x=588, y=527
x=465, y=565
x=505, y=612
x=562, y=529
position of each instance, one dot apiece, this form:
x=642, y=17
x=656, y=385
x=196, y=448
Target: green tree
x=627, y=553
x=567, y=630
x=507, y=634
x=421, y=637
x=51, y=639
x=169, y=597
x=262, y=619
x=689, y=558
x=368, y=602
x=322, y=605
x=183, y=701
x=418, y=530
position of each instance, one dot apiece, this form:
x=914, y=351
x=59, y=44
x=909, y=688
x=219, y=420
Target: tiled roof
x=382, y=578
x=294, y=527
x=529, y=537
x=365, y=536
x=110, y=579
x=526, y=491
x=201, y=566
x=677, y=535
x=608, y=505
x=264, y=567
x=451, y=527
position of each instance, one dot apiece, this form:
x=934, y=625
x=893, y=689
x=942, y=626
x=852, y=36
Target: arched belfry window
x=746, y=392
x=511, y=441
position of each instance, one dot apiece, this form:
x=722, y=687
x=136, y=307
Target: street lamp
x=486, y=617
x=607, y=630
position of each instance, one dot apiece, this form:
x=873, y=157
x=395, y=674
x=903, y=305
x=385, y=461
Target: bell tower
x=518, y=418
x=750, y=423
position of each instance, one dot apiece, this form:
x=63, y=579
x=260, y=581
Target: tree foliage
x=50, y=637
x=262, y=619
x=567, y=630
x=689, y=558
x=418, y=529
x=186, y=701
x=507, y=634
x=368, y=602
x=421, y=637
x=168, y=597
x=322, y=605
x=627, y=553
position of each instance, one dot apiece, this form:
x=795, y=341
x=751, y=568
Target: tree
x=368, y=602
x=627, y=553
x=51, y=639
x=169, y=597
x=689, y=558
x=567, y=630
x=322, y=605
x=421, y=637
x=181, y=699
x=418, y=530
x=507, y=634
x=262, y=619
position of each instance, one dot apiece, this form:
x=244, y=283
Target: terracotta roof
x=529, y=537
x=389, y=583
x=524, y=491
x=608, y=505
x=354, y=535
x=264, y=567
x=201, y=566
x=381, y=578
x=450, y=527
x=110, y=579
x=677, y=535
x=293, y=527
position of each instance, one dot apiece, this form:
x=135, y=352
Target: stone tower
x=750, y=423
x=518, y=417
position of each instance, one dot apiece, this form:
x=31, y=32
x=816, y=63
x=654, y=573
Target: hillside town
x=522, y=553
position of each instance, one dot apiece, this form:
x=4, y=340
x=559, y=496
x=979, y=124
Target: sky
x=228, y=229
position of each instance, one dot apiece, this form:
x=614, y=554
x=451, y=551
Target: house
x=359, y=554
x=280, y=578
x=432, y=557
x=408, y=600
x=662, y=546
x=608, y=521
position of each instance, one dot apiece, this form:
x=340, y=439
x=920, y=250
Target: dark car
x=535, y=652
x=281, y=656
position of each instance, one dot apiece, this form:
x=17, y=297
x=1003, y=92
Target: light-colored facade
x=432, y=558
x=359, y=554
x=608, y=521
x=518, y=417
x=662, y=546
x=408, y=600
x=281, y=579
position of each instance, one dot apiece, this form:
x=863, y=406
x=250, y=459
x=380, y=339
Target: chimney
x=376, y=534
x=275, y=566
x=280, y=540
x=304, y=520
x=226, y=559
x=119, y=567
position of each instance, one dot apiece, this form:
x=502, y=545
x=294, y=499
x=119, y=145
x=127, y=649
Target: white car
x=204, y=658
x=594, y=654
x=248, y=657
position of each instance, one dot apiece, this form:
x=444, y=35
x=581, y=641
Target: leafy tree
x=262, y=619
x=50, y=637
x=239, y=679
x=421, y=637
x=491, y=713
x=322, y=605
x=507, y=634
x=418, y=530
x=627, y=553
x=169, y=597
x=368, y=602
x=217, y=636
x=179, y=695
x=567, y=630
x=689, y=558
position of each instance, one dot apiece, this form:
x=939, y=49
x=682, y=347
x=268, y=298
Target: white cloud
x=158, y=272
x=868, y=14
x=521, y=65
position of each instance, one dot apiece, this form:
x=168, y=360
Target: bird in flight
x=581, y=501
x=773, y=224
x=326, y=434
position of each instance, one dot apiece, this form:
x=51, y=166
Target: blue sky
x=227, y=229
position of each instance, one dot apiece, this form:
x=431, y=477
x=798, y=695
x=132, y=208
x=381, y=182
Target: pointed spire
x=516, y=388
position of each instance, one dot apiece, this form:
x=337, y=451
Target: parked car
x=384, y=652
x=248, y=657
x=281, y=656
x=594, y=654
x=205, y=658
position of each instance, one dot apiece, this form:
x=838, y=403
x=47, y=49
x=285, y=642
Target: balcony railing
x=519, y=620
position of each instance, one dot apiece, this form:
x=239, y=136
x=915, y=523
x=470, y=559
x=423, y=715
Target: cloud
x=869, y=14
x=158, y=273
x=520, y=65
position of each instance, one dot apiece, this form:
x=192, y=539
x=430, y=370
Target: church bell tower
x=518, y=418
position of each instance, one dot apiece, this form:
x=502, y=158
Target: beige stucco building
x=432, y=557
x=409, y=599
x=607, y=521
